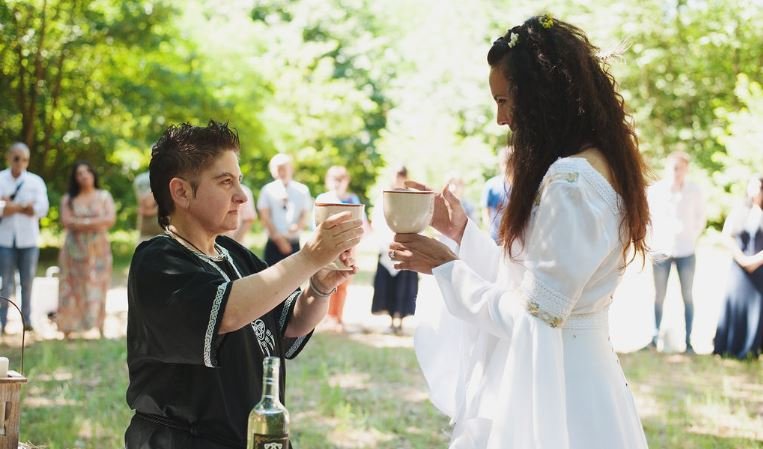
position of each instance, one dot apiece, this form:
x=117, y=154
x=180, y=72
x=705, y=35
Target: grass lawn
x=365, y=391
x=344, y=392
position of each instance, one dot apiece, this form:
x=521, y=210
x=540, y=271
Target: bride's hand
x=418, y=253
x=449, y=216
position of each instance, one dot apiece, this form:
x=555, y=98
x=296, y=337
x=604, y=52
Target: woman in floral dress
x=87, y=213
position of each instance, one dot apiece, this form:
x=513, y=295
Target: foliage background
x=364, y=83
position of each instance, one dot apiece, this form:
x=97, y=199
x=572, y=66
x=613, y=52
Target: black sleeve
x=282, y=312
x=177, y=305
x=285, y=312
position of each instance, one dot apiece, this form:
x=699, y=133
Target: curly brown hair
x=564, y=100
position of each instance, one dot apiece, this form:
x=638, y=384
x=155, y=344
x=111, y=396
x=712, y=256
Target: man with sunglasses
x=23, y=201
x=284, y=206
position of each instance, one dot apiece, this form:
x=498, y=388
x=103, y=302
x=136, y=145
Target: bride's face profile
x=499, y=88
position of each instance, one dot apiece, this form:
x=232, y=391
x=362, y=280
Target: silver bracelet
x=319, y=292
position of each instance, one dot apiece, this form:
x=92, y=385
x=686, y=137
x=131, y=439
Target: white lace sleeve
x=569, y=240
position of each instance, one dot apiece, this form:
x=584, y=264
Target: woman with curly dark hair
x=87, y=214
x=520, y=356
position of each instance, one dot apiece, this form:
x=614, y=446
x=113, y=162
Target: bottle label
x=271, y=441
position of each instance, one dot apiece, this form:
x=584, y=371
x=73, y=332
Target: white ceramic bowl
x=323, y=210
x=408, y=211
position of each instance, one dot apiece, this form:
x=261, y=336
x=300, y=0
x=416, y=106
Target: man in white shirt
x=678, y=218
x=23, y=201
x=284, y=206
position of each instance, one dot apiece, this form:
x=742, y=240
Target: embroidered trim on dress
x=602, y=187
x=544, y=302
x=294, y=347
x=227, y=256
x=287, y=304
x=570, y=177
x=585, y=321
x=211, y=325
x=215, y=307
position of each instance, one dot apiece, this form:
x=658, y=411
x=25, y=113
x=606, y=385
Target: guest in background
x=337, y=185
x=24, y=200
x=740, y=326
x=87, y=213
x=455, y=185
x=148, y=226
x=394, y=290
x=495, y=195
x=284, y=206
x=677, y=210
x=246, y=216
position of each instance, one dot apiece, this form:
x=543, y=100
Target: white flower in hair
x=513, y=39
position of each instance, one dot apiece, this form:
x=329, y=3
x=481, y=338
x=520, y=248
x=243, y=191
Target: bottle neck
x=270, y=381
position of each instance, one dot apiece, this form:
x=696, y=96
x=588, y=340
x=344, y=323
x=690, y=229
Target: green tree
x=97, y=81
x=328, y=69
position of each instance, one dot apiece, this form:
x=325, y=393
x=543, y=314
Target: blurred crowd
x=284, y=210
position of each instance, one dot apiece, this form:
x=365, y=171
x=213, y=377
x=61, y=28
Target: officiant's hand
x=449, y=216
x=418, y=253
x=327, y=280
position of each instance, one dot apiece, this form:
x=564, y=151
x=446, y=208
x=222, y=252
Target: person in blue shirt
x=495, y=195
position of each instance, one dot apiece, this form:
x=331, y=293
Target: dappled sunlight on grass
x=34, y=401
x=647, y=404
x=365, y=391
x=719, y=419
x=59, y=375
x=381, y=340
x=697, y=401
x=382, y=402
x=356, y=438
x=352, y=380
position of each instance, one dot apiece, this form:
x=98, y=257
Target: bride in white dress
x=519, y=354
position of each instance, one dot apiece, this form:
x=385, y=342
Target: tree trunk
x=34, y=87
x=49, y=117
x=21, y=99
x=55, y=95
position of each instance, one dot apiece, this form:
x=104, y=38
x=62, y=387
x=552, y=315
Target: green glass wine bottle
x=269, y=419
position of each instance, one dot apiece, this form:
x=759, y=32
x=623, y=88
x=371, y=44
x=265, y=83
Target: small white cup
x=3, y=366
x=322, y=211
x=408, y=211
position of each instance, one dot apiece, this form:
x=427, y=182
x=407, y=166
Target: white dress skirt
x=518, y=352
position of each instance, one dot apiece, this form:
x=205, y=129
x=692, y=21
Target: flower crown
x=546, y=21
x=513, y=39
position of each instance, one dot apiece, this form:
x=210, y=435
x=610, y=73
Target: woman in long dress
x=87, y=213
x=740, y=325
x=395, y=290
x=519, y=354
x=337, y=185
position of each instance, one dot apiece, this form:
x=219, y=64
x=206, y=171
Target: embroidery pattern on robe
x=264, y=337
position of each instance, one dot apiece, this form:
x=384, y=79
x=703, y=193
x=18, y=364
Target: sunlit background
x=373, y=84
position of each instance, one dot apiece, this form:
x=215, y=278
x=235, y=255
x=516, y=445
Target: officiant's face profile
x=215, y=195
